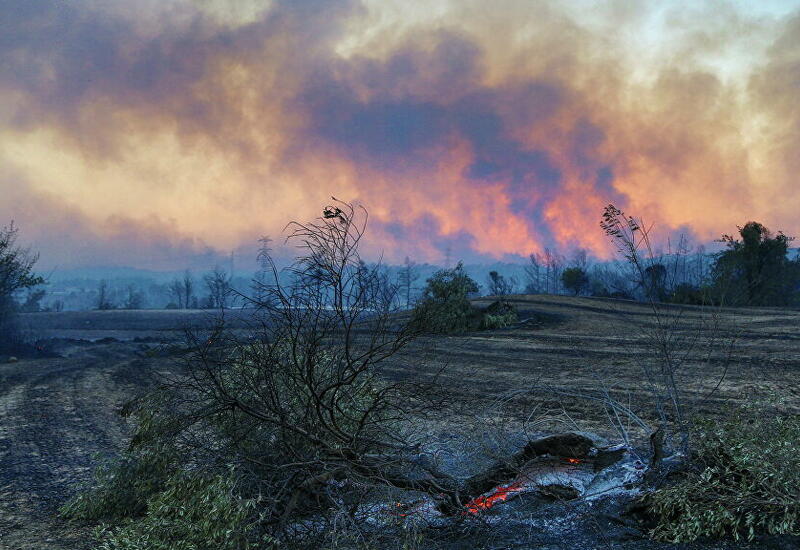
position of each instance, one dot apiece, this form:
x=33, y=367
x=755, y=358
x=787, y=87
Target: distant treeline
x=755, y=267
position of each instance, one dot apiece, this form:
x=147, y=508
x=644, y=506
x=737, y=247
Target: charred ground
x=57, y=413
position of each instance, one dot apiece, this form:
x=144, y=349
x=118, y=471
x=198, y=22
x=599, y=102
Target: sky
x=165, y=133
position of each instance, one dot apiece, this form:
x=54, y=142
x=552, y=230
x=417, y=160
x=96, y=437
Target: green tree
x=575, y=280
x=755, y=270
x=16, y=274
x=445, y=305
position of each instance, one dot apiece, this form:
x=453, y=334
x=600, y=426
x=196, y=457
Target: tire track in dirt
x=55, y=416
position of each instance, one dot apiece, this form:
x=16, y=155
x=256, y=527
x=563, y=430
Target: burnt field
x=564, y=345
x=58, y=412
x=164, y=324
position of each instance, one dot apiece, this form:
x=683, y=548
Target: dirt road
x=55, y=416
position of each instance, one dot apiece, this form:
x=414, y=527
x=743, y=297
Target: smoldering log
x=566, y=445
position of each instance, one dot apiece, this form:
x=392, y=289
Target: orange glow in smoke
x=482, y=129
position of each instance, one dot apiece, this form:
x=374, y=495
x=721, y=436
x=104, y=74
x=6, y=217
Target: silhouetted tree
x=533, y=277
x=698, y=269
x=655, y=282
x=498, y=285
x=580, y=258
x=16, y=274
x=553, y=263
x=575, y=280
x=176, y=294
x=687, y=293
x=16, y=264
x=409, y=273
x=134, y=299
x=33, y=301
x=188, y=289
x=756, y=269
x=103, y=300
x=218, y=283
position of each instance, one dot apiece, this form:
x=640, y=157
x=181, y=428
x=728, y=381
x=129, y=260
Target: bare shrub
x=295, y=412
x=664, y=335
x=218, y=285
x=669, y=340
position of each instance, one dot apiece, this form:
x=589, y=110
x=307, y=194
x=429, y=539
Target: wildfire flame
x=573, y=460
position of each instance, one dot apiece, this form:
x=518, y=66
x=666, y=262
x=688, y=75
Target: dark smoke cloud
x=453, y=134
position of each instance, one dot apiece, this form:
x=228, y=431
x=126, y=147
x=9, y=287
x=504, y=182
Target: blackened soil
x=56, y=416
x=58, y=413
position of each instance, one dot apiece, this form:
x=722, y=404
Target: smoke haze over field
x=162, y=134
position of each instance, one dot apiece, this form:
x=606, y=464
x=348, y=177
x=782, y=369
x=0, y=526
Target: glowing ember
x=500, y=494
x=405, y=509
x=573, y=460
